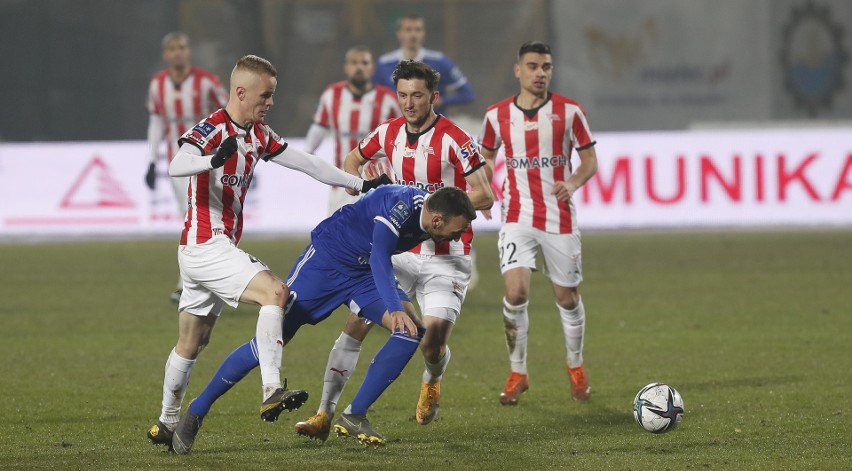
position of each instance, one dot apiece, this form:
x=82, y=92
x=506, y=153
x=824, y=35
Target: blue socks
x=238, y=364
x=384, y=369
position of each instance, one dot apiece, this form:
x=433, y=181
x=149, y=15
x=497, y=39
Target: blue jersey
x=349, y=259
x=453, y=85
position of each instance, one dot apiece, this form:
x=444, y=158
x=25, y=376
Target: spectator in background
x=349, y=110
x=454, y=89
x=178, y=97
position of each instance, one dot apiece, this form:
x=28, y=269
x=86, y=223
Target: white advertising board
x=792, y=177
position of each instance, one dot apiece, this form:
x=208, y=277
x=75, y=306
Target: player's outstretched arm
x=352, y=164
x=189, y=160
x=318, y=169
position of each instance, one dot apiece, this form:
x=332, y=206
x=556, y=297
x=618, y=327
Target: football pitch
x=753, y=328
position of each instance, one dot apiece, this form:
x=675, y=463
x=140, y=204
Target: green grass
x=753, y=328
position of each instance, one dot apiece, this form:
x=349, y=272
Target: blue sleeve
x=384, y=246
x=462, y=90
x=383, y=74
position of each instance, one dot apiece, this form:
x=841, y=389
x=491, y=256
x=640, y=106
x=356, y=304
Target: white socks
x=574, y=326
x=516, y=321
x=434, y=371
x=270, y=347
x=174, y=387
x=341, y=364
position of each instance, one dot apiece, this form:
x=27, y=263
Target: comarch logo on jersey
x=536, y=162
x=236, y=180
x=428, y=187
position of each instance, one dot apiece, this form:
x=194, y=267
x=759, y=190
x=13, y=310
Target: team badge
x=203, y=129
x=400, y=213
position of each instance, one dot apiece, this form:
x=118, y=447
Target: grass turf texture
x=752, y=328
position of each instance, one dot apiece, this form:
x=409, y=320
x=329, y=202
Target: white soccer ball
x=658, y=408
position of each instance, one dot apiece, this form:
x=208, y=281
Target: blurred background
x=710, y=113
x=79, y=69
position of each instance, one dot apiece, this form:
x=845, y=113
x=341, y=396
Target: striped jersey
x=351, y=117
x=442, y=155
x=181, y=105
x=216, y=196
x=538, y=146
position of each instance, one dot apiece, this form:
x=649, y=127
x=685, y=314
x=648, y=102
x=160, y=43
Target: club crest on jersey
x=468, y=150
x=203, y=129
x=428, y=150
x=399, y=214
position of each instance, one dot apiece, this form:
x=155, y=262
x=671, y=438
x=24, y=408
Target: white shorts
x=338, y=197
x=212, y=273
x=519, y=245
x=438, y=282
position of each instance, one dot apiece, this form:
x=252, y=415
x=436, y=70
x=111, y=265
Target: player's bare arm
x=480, y=189
x=587, y=168
x=352, y=164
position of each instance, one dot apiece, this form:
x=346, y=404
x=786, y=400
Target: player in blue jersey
x=453, y=88
x=348, y=262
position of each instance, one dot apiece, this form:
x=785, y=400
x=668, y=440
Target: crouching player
x=348, y=262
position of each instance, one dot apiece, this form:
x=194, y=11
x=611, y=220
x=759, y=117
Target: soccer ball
x=658, y=408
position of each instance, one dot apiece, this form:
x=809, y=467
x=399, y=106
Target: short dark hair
x=450, y=202
x=408, y=16
x=537, y=47
x=412, y=69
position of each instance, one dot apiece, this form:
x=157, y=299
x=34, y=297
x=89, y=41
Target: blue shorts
x=319, y=288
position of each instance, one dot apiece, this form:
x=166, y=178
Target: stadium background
x=748, y=325
x=78, y=70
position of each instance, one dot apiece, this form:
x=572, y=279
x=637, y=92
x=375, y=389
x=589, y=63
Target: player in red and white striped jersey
x=539, y=130
x=219, y=155
x=178, y=97
x=429, y=151
x=349, y=110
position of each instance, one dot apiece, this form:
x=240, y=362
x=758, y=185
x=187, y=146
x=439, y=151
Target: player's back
x=346, y=236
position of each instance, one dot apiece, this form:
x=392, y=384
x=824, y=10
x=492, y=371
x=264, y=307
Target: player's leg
x=436, y=357
x=268, y=291
x=229, y=273
x=386, y=366
x=195, y=325
x=563, y=261
x=518, y=249
x=341, y=363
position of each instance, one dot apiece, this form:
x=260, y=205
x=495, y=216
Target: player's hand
x=400, y=322
x=486, y=213
x=151, y=176
x=375, y=183
x=227, y=149
x=563, y=191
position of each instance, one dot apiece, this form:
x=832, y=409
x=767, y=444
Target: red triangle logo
x=96, y=188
